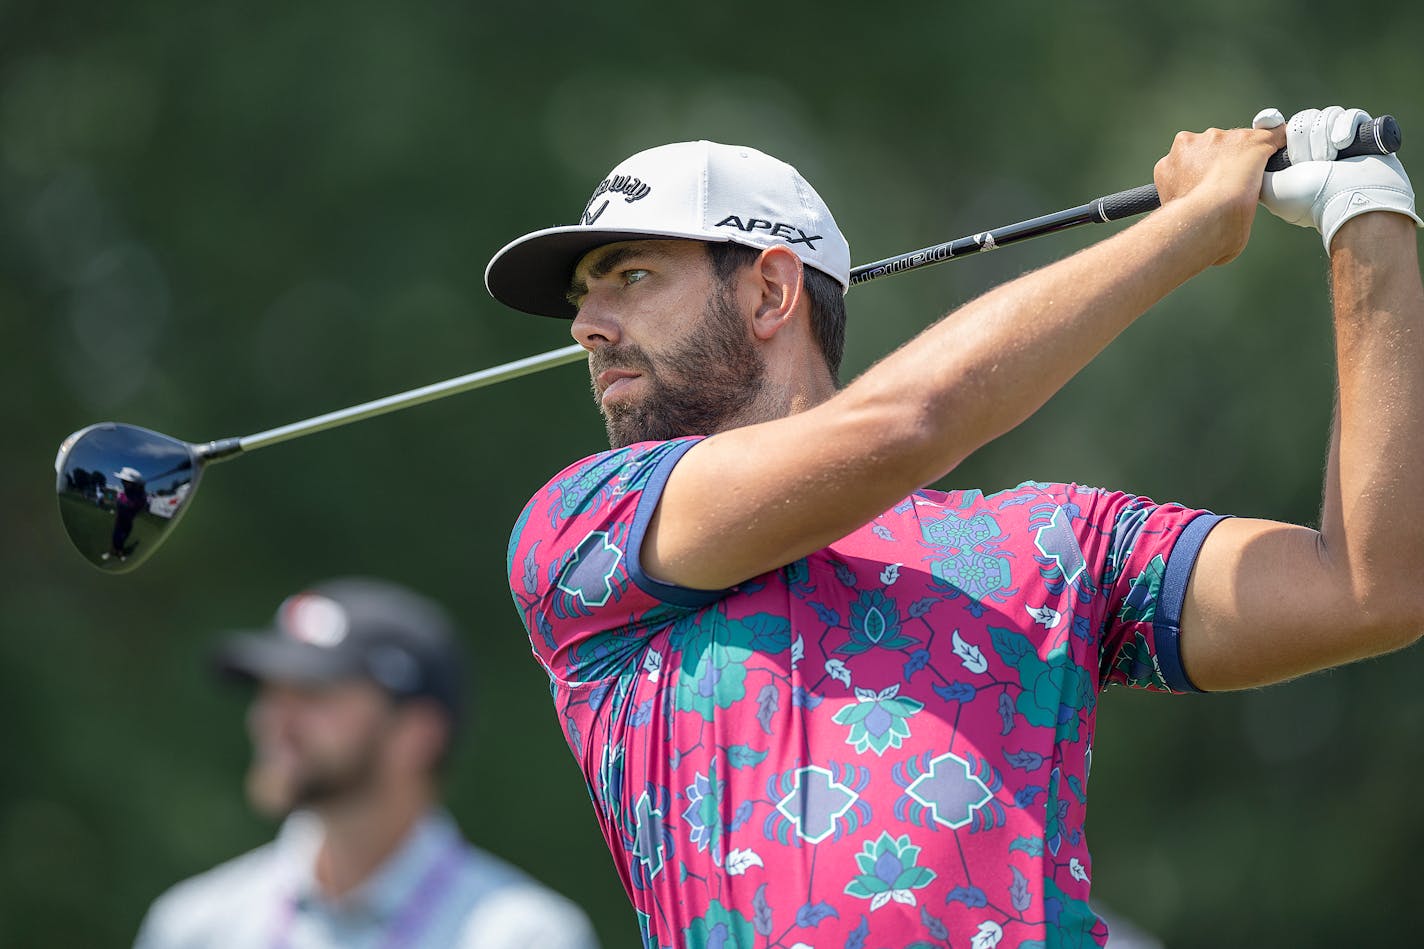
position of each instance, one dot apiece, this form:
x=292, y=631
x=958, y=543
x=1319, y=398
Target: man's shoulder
x=508, y=906
x=965, y=504
x=486, y=873
x=199, y=907
x=617, y=465
x=597, y=482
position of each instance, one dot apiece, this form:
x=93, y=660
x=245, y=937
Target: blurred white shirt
x=436, y=890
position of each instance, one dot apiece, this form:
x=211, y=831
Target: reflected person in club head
x=358, y=698
x=132, y=500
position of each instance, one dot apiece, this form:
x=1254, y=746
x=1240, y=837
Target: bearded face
x=315, y=746
x=697, y=387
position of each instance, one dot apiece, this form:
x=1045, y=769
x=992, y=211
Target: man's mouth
x=612, y=381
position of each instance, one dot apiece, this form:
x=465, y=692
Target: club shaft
x=973, y=244
x=950, y=250
x=403, y=400
x=1108, y=208
x=1379, y=137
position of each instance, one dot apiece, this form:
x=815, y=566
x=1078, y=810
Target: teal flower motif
x=1055, y=688
x=704, y=811
x=719, y=928
x=1140, y=604
x=1138, y=666
x=1054, y=692
x=798, y=578
x=888, y=872
x=1070, y=921
x=1056, y=810
x=877, y=720
x=714, y=656
x=874, y=621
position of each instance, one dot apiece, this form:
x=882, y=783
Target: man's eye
x=633, y=276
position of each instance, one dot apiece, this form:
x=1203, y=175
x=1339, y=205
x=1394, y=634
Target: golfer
x=359, y=694
x=818, y=704
x=131, y=501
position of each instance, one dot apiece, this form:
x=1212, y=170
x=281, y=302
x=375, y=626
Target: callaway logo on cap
x=696, y=190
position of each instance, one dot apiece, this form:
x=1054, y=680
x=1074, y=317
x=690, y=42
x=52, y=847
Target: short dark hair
x=828, y=313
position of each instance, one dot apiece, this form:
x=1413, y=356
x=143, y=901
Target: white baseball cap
x=697, y=190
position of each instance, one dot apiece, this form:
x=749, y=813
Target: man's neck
x=358, y=837
x=796, y=392
x=810, y=395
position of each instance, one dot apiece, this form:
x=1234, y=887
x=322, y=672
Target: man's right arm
x=752, y=499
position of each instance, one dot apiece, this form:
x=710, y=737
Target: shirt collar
x=394, y=882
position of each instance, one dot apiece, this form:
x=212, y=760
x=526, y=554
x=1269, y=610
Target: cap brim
x=532, y=274
x=265, y=657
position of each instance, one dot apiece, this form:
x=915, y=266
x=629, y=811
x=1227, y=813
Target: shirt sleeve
x=1139, y=556
x=574, y=562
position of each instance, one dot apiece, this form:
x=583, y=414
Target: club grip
x=1115, y=207
x=1379, y=137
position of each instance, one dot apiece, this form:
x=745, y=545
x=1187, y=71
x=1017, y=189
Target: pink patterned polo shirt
x=884, y=744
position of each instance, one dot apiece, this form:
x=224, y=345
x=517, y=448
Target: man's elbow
x=1393, y=619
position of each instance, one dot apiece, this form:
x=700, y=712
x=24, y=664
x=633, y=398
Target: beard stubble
x=703, y=384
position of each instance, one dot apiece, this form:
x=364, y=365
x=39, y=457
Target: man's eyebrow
x=606, y=264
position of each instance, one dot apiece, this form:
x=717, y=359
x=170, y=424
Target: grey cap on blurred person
x=355, y=628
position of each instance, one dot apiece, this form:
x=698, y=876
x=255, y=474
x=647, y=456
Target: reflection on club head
x=121, y=489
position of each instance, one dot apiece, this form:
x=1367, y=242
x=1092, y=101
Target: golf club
x=122, y=488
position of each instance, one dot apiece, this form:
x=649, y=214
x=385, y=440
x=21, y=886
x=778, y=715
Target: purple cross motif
x=589, y=573
x=648, y=841
x=950, y=790
x=815, y=802
x=1056, y=541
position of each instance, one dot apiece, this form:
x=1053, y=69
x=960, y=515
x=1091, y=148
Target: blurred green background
x=216, y=218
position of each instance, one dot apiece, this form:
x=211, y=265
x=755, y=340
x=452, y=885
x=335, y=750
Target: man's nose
x=594, y=326
x=271, y=711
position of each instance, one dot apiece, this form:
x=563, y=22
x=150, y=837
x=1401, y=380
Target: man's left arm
x=1269, y=601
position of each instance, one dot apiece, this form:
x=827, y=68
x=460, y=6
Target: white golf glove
x=1320, y=192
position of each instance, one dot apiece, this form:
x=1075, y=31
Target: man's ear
x=778, y=280
x=425, y=735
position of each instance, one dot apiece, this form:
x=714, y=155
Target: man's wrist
x=1364, y=231
x=1198, y=232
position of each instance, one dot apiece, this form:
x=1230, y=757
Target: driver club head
x=121, y=489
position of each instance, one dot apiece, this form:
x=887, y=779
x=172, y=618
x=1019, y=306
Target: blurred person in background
x=358, y=699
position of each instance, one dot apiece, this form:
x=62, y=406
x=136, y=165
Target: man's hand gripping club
x=1318, y=190
x=1216, y=175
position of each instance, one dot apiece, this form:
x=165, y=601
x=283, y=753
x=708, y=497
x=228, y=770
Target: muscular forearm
x=801, y=483
x=989, y=365
x=757, y=497
x=1373, y=505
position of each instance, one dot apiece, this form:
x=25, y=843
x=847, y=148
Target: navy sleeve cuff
x=1167, y=626
x=647, y=504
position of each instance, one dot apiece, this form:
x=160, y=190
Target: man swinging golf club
x=131, y=500
x=819, y=705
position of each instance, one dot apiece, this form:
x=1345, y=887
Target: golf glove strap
x=1321, y=192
